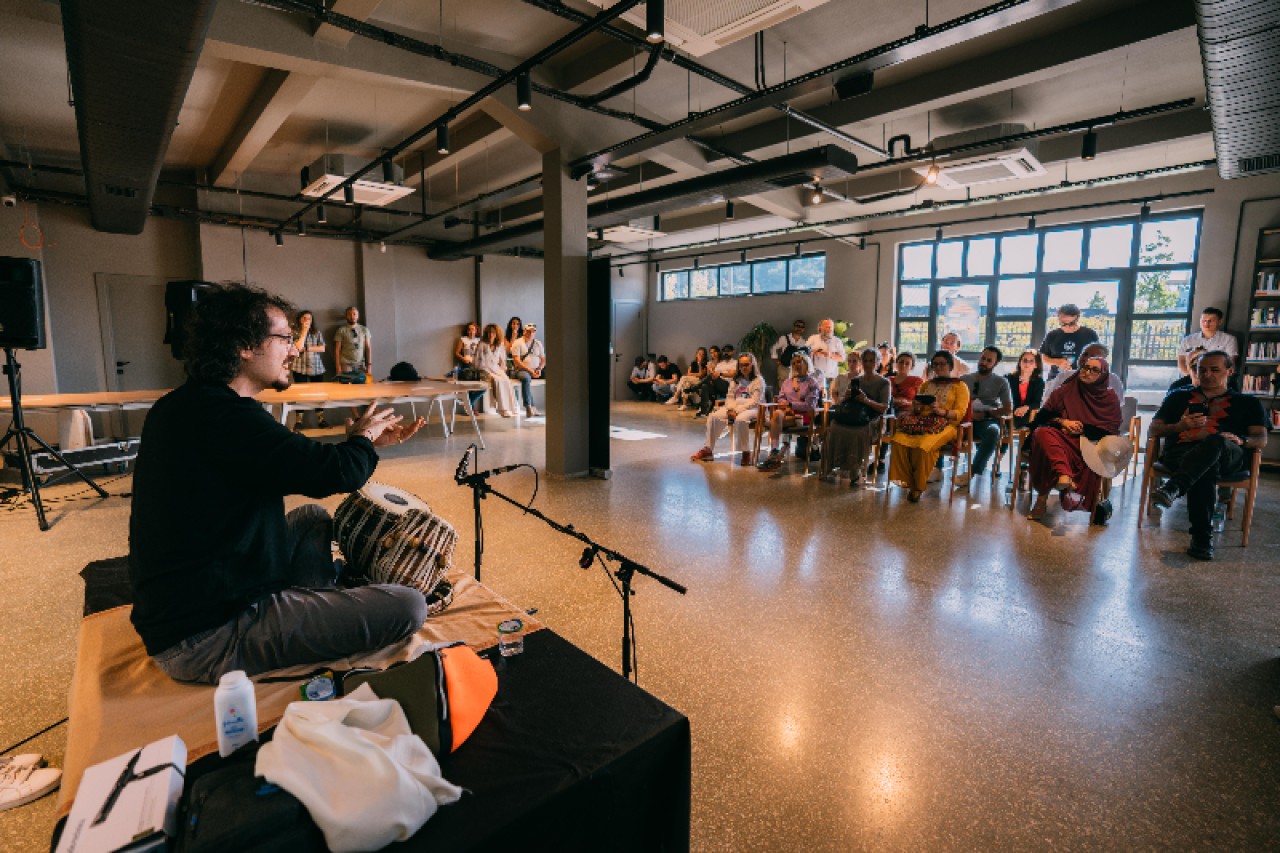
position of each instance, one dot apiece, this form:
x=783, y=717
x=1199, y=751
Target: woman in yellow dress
x=933, y=422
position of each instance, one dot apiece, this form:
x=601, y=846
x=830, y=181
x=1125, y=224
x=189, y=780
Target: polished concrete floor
x=860, y=672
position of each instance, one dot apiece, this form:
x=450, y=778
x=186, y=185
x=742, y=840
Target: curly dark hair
x=229, y=318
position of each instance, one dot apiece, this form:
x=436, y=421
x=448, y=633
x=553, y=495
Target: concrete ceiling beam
x=275, y=100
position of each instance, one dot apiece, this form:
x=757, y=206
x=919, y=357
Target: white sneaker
x=961, y=480
x=22, y=783
x=671, y=401
x=935, y=476
x=26, y=759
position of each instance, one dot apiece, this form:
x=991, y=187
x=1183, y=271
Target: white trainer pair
x=24, y=778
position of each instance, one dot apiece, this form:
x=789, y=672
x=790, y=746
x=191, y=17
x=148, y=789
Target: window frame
x=751, y=264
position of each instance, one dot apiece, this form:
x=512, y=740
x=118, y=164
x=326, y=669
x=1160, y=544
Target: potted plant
x=852, y=348
x=759, y=341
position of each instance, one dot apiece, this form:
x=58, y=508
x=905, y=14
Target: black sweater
x=207, y=535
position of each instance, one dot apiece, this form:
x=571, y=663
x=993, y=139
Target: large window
x=775, y=275
x=1131, y=278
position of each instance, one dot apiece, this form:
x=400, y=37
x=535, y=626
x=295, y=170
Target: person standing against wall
x=353, y=346
x=308, y=366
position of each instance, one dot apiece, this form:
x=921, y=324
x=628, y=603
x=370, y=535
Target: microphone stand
x=627, y=568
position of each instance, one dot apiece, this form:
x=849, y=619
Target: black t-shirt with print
x=1060, y=344
x=1230, y=412
x=669, y=372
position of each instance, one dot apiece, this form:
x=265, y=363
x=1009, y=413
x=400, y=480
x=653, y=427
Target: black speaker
x=179, y=296
x=21, y=304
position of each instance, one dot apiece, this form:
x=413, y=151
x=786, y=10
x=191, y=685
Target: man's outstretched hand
x=382, y=427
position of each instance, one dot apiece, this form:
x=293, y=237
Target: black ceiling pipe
x=827, y=163
x=130, y=64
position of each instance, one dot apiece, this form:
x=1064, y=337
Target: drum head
x=394, y=501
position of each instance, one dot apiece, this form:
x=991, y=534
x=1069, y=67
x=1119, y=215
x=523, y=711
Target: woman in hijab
x=1082, y=406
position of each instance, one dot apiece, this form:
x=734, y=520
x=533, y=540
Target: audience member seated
x=855, y=420
x=515, y=331
x=1026, y=387
x=665, y=380
x=905, y=384
x=1188, y=380
x=1082, y=406
x=797, y=400
x=716, y=385
x=529, y=362
x=931, y=424
x=887, y=355
x=491, y=357
x=991, y=400
x=697, y=372
x=746, y=390
x=1210, y=337
x=951, y=343
x=642, y=376
x=1208, y=431
x=1097, y=349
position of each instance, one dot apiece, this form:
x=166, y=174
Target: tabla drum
x=389, y=535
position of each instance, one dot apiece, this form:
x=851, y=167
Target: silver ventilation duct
x=130, y=62
x=1240, y=48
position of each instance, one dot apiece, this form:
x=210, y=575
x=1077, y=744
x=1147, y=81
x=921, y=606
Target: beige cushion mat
x=121, y=700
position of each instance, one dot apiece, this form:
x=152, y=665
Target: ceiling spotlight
x=931, y=177
x=442, y=139
x=600, y=234
x=388, y=172
x=1031, y=223
x=320, y=215
x=816, y=198
x=657, y=267
x=743, y=256
x=798, y=250
x=862, y=242
x=524, y=92
x=349, y=193
x=279, y=238
x=620, y=275
x=728, y=209
x=657, y=222
x=1089, y=147
x=479, y=259
x=655, y=23
x=1145, y=213
x=697, y=262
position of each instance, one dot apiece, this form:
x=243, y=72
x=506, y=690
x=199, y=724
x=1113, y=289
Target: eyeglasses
x=1089, y=368
x=288, y=339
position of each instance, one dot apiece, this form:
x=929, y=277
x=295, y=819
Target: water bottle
x=1219, y=517
x=235, y=710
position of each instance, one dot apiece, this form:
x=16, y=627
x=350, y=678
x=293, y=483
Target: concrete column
x=565, y=305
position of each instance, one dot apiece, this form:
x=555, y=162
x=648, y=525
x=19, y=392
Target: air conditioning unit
x=1005, y=163
x=630, y=233
x=699, y=27
x=332, y=170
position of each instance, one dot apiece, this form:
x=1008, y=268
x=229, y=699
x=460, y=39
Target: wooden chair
x=812, y=432
x=1017, y=441
x=1246, y=479
x=962, y=446
x=878, y=441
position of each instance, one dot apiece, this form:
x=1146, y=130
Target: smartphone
x=1197, y=409
x=926, y=399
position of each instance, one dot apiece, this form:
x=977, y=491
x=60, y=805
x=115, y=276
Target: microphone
x=588, y=556
x=464, y=464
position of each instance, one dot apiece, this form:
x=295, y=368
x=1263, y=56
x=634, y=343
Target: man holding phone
x=1210, y=429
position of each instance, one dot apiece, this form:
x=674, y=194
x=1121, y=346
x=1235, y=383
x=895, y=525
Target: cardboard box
x=128, y=801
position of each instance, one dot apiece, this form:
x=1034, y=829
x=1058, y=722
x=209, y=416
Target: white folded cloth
x=366, y=779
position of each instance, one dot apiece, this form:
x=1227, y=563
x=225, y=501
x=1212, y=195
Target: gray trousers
x=309, y=622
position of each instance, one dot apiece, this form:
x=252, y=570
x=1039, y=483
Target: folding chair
x=1246, y=478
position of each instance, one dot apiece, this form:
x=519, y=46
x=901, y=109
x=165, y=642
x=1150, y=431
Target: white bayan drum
x=388, y=535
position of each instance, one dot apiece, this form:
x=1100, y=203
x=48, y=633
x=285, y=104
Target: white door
x=135, y=357
x=628, y=342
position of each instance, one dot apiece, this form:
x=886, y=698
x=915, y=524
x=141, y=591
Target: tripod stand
x=23, y=436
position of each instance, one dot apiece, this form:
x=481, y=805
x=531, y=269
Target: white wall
x=510, y=287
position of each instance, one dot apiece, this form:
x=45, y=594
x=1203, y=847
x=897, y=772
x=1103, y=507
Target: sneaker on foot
x=681, y=407
x=961, y=481
x=772, y=463
x=533, y=411
x=935, y=476
x=1165, y=494
x=22, y=783
x=703, y=455
x=26, y=759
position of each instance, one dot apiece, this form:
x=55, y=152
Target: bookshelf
x=1260, y=367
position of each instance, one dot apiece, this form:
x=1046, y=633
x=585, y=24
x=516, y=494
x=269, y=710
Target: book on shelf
x=1268, y=281
x=1264, y=350
x=1258, y=383
x=1264, y=317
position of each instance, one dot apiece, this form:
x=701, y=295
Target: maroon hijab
x=1092, y=403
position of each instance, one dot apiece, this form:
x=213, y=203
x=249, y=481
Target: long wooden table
x=314, y=395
